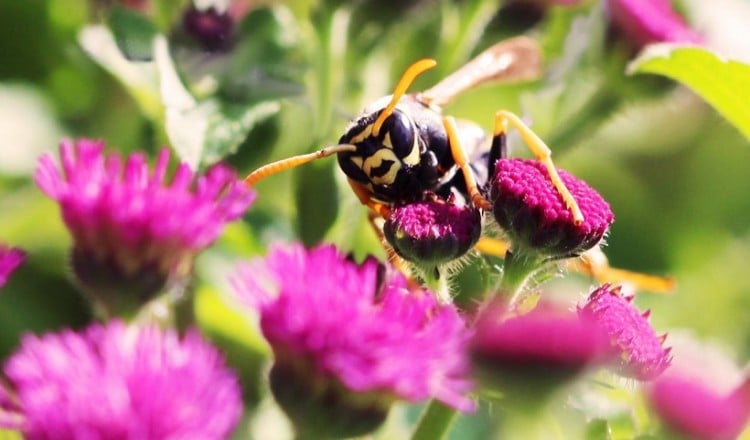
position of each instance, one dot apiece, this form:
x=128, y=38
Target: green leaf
x=134, y=33
x=316, y=197
x=230, y=126
x=598, y=429
x=723, y=83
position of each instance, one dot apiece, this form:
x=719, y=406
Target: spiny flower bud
x=639, y=350
x=531, y=210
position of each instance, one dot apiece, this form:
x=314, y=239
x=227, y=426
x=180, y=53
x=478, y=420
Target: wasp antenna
x=294, y=161
x=407, y=78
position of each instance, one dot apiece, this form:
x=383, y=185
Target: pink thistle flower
x=10, y=260
x=117, y=382
x=696, y=411
x=650, y=21
x=530, y=209
x=433, y=232
x=345, y=328
x=131, y=225
x=633, y=340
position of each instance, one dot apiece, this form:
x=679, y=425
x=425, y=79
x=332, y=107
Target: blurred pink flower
x=10, y=260
x=634, y=342
x=117, y=382
x=649, y=21
x=548, y=336
x=344, y=323
x=696, y=411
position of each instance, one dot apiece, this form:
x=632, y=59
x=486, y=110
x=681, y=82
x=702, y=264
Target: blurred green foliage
x=295, y=73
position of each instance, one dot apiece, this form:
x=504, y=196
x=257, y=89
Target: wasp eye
x=400, y=129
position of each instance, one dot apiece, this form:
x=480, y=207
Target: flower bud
x=432, y=232
x=531, y=210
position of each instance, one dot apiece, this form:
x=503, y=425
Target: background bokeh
x=674, y=171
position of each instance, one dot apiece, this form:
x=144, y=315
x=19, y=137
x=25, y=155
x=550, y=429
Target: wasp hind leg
x=592, y=263
x=462, y=161
x=542, y=153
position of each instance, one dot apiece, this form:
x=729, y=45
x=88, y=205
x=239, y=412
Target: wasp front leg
x=542, y=153
x=462, y=161
x=365, y=197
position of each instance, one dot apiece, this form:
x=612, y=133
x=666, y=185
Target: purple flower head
x=345, y=324
x=696, y=411
x=130, y=222
x=433, y=232
x=211, y=28
x=530, y=209
x=649, y=21
x=639, y=350
x=117, y=382
x=10, y=260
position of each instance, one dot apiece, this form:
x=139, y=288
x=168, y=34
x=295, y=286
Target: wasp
x=402, y=148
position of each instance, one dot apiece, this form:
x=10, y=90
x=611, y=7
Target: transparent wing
x=515, y=59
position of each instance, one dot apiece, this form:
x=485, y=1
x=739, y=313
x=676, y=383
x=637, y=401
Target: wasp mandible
x=402, y=146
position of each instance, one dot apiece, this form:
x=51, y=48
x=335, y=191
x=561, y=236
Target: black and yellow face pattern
x=382, y=163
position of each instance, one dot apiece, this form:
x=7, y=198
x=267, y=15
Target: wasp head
x=383, y=157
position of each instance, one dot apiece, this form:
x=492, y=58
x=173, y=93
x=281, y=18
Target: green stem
x=330, y=53
x=436, y=280
x=517, y=269
x=435, y=422
x=324, y=69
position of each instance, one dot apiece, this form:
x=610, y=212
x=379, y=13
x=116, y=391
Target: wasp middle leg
x=462, y=161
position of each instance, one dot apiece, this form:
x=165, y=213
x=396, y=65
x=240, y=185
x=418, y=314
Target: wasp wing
x=515, y=59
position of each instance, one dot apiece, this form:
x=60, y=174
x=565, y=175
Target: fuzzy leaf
x=723, y=83
x=133, y=33
x=230, y=126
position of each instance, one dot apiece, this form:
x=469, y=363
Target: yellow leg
x=542, y=153
x=365, y=196
x=459, y=156
x=594, y=264
x=294, y=161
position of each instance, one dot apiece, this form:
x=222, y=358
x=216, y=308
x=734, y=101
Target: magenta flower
x=117, y=382
x=131, y=226
x=344, y=327
x=530, y=209
x=649, y=21
x=433, y=232
x=639, y=350
x=696, y=411
x=10, y=260
x=528, y=356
